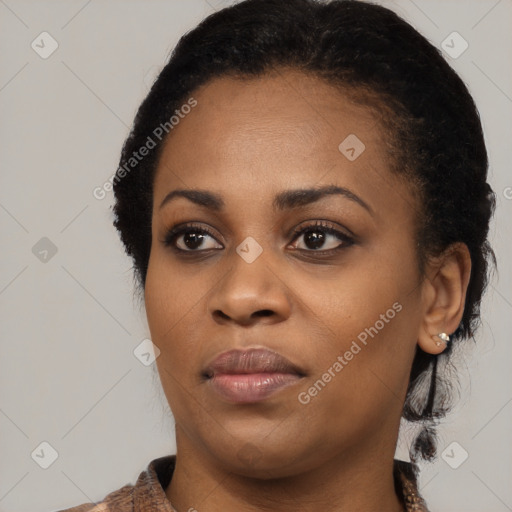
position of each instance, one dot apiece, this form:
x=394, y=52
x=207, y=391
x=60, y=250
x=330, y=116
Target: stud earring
x=443, y=338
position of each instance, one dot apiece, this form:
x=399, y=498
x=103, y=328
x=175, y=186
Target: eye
x=194, y=238
x=320, y=234
x=190, y=238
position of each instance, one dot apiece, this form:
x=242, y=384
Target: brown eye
x=191, y=239
x=321, y=237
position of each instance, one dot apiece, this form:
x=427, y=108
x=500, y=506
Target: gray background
x=69, y=324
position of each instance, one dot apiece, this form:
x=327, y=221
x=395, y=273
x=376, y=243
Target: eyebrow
x=287, y=199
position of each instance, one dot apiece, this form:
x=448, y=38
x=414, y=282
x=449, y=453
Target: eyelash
x=346, y=240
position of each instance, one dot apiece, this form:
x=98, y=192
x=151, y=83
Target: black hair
x=435, y=135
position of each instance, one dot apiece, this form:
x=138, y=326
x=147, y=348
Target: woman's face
x=328, y=281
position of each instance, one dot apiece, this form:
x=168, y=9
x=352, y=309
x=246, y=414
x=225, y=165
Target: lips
x=250, y=361
x=250, y=375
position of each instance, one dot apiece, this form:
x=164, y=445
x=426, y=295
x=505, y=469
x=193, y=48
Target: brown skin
x=247, y=141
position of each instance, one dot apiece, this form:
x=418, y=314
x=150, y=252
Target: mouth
x=250, y=376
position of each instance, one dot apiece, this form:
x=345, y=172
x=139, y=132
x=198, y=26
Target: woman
x=304, y=197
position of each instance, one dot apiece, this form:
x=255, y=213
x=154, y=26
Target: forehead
x=278, y=129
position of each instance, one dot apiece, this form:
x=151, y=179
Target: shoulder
x=117, y=501
x=147, y=494
x=86, y=507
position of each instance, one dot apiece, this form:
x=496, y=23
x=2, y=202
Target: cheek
x=360, y=300
x=368, y=322
x=172, y=304
x=360, y=378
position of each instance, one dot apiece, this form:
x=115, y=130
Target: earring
x=443, y=337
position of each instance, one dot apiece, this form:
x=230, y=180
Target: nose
x=250, y=293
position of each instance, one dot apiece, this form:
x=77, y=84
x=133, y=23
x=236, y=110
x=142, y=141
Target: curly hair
x=435, y=136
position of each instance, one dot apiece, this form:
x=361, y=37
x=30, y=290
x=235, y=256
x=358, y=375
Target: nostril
x=264, y=312
x=257, y=314
x=221, y=314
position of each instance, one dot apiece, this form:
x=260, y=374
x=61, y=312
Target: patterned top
x=148, y=493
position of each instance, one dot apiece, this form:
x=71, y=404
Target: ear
x=444, y=295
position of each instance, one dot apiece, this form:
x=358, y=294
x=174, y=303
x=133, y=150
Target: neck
x=347, y=482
